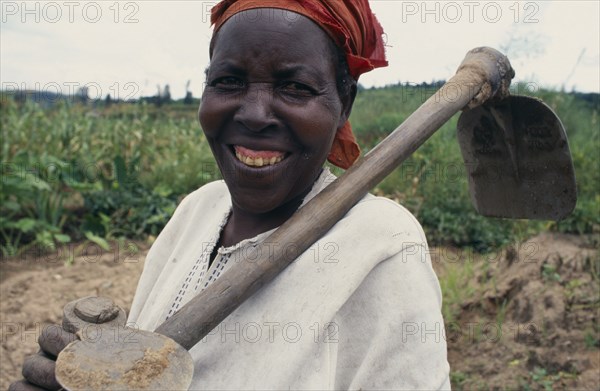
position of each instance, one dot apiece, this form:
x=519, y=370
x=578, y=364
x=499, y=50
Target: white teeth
x=259, y=161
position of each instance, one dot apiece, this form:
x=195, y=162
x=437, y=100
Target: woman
x=361, y=308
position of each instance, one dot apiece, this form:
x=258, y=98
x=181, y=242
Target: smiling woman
x=360, y=309
x=268, y=96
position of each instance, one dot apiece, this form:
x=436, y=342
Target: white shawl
x=359, y=310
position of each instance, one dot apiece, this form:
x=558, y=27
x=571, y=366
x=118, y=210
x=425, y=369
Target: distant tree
x=189, y=99
x=166, y=94
x=158, y=98
x=20, y=96
x=108, y=100
x=82, y=95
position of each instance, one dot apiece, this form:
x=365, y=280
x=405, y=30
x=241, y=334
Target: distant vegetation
x=104, y=170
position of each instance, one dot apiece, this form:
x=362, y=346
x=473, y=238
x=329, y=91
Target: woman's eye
x=297, y=88
x=228, y=82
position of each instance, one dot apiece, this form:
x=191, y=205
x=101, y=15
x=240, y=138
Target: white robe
x=361, y=309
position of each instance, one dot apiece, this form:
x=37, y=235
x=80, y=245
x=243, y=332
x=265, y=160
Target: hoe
x=519, y=166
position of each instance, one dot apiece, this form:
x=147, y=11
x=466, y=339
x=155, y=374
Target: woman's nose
x=255, y=110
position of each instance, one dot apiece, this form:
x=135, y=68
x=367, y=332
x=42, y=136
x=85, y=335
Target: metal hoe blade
x=124, y=359
x=518, y=160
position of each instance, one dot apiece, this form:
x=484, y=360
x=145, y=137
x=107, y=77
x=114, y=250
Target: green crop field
x=75, y=172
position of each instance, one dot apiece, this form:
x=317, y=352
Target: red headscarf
x=351, y=25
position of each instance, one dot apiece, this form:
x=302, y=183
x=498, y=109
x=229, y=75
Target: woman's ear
x=347, y=103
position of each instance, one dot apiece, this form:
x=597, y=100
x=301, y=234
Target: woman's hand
x=38, y=370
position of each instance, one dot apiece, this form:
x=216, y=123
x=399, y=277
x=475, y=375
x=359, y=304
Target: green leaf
x=25, y=225
x=120, y=170
x=12, y=206
x=163, y=190
x=45, y=239
x=62, y=238
x=98, y=240
x=36, y=182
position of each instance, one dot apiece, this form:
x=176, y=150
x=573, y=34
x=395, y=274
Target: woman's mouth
x=255, y=158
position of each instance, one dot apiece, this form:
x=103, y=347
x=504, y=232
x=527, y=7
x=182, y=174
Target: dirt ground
x=531, y=322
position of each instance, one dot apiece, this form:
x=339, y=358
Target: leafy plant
x=591, y=337
x=126, y=209
x=549, y=273
x=117, y=170
x=457, y=379
x=34, y=193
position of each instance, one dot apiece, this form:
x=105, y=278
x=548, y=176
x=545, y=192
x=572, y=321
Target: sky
x=127, y=48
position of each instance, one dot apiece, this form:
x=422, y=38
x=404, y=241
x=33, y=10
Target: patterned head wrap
x=352, y=27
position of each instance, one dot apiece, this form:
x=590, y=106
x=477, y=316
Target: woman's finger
x=54, y=338
x=39, y=370
x=23, y=385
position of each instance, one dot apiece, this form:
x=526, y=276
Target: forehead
x=268, y=34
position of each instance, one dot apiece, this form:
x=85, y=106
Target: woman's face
x=270, y=108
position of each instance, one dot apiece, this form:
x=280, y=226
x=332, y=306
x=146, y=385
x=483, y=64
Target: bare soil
x=531, y=321
x=35, y=287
